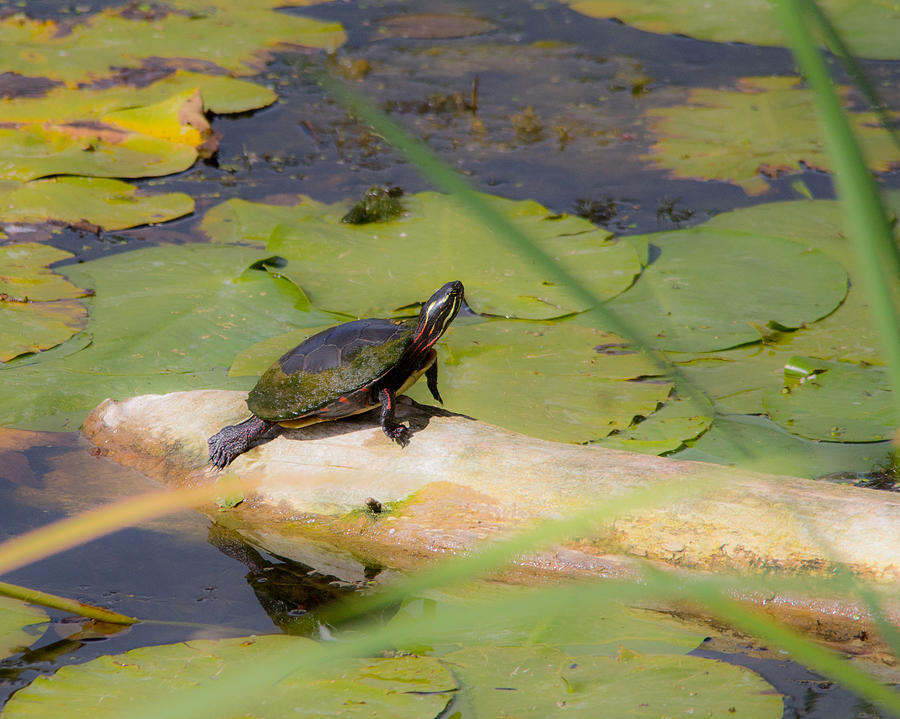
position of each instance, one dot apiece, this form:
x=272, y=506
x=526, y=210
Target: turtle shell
x=329, y=366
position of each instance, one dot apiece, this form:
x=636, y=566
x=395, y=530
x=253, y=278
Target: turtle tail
x=230, y=441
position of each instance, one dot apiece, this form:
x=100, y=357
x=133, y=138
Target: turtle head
x=437, y=314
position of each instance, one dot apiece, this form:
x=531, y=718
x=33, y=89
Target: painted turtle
x=345, y=370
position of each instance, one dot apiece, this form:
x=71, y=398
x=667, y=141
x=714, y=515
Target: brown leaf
x=433, y=25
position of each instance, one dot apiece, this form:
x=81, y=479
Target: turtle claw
x=399, y=433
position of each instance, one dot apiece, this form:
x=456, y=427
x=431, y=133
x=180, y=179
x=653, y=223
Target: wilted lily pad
x=38, y=307
x=20, y=625
x=869, y=28
x=542, y=681
x=163, y=319
x=764, y=129
x=234, y=37
x=708, y=291
x=401, y=687
x=835, y=401
x=385, y=266
x=120, y=131
x=104, y=203
x=433, y=25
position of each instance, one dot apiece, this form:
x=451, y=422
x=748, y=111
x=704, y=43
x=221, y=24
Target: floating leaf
x=20, y=625
x=436, y=241
x=221, y=94
x=103, y=203
x=667, y=429
x=38, y=307
x=870, y=29
x=163, y=319
x=707, y=290
x=433, y=25
x=234, y=37
x=759, y=444
x=541, y=681
x=762, y=130
x=401, y=687
x=839, y=402
x=612, y=626
x=117, y=132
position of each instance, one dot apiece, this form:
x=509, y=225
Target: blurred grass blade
x=853, y=68
x=33, y=596
x=866, y=220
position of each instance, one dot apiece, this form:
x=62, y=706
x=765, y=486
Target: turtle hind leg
x=230, y=441
x=393, y=429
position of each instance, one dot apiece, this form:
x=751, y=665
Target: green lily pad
x=401, y=687
x=434, y=242
x=542, y=681
x=20, y=625
x=763, y=129
x=38, y=307
x=612, y=626
x=759, y=444
x=837, y=402
x=708, y=291
x=546, y=380
x=101, y=202
x=233, y=36
x=667, y=429
x=163, y=319
x=870, y=29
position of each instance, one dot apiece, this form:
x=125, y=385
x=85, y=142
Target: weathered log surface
x=462, y=481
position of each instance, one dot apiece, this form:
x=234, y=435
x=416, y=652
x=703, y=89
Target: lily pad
x=98, y=202
x=233, y=36
x=759, y=444
x=708, y=291
x=837, y=402
x=163, y=319
x=667, y=429
x=761, y=130
x=20, y=625
x=869, y=28
x=433, y=25
x=542, y=681
x=38, y=307
x=400, y=687
x=221, y=94
x=435, y=241
x=612, y=626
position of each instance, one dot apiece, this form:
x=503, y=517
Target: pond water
x=561, y=119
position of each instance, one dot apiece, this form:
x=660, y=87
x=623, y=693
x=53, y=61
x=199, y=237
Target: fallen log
x=461, y=482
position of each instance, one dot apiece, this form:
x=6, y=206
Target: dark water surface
x=589, y=75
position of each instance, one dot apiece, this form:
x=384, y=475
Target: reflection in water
x=288, y=591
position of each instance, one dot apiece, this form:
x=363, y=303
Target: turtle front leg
x=396, y=431
x=235, y=439
x=431, y=378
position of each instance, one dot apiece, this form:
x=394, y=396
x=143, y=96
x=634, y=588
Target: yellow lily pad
x=96, y=202
x=764, y=129
x=234, y=37
x=38, y=307
x=869, y=27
